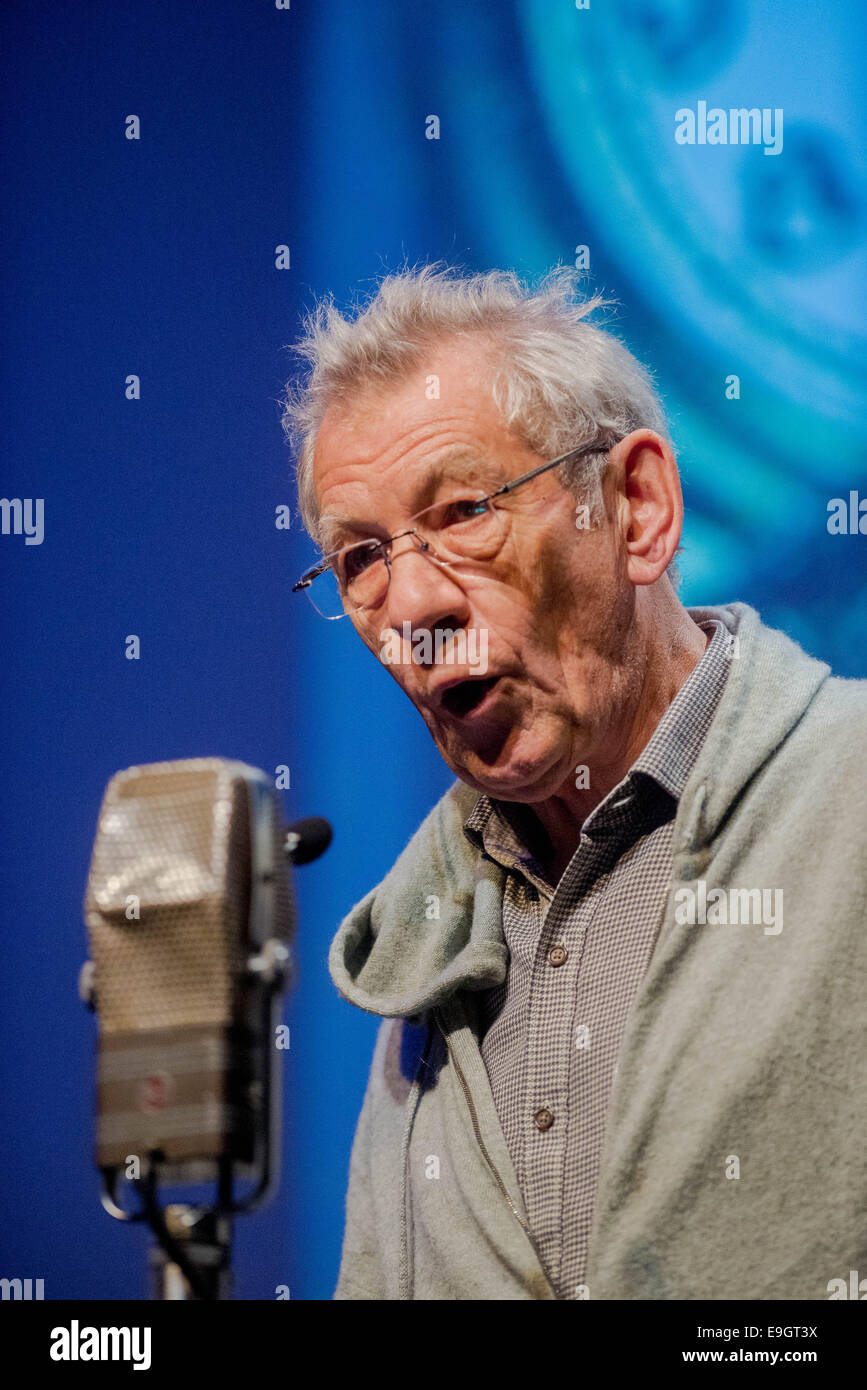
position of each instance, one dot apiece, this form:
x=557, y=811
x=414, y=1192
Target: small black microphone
x=306, y=839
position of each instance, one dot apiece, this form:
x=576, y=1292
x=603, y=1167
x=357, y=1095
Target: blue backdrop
x=156, y=257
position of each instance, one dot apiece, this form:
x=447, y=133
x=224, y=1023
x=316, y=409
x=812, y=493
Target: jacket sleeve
x=361, y=1273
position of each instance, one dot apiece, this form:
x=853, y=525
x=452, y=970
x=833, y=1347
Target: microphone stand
x=191, y=1260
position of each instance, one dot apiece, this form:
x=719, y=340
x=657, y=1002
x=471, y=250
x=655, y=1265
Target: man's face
x=554, y=604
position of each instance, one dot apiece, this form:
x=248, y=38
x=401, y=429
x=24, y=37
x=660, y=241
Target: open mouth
x=461, y=699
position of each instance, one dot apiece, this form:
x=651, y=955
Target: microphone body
x=190, y=916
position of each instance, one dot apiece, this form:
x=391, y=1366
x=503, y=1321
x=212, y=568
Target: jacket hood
x=434, y=924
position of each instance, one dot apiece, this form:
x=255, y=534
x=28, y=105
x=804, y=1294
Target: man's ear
x=649, y=503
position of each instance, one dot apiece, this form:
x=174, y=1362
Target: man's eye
x=360, y=558
x=464, y=509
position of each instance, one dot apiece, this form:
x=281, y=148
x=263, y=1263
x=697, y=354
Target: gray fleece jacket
x=735, y=1161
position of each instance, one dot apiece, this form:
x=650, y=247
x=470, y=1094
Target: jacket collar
x=771, y=684
x=434, y=924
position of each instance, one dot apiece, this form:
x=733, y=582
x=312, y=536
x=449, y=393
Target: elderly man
x=618, y=964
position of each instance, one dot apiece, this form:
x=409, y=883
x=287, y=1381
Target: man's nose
x=422, y=593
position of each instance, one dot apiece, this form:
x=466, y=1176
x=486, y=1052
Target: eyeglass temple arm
x=593, y=448
x=307, y=579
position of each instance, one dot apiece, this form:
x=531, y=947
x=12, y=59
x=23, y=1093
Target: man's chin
x=530, y=780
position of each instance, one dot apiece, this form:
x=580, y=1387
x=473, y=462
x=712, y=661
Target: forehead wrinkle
x=445, y=463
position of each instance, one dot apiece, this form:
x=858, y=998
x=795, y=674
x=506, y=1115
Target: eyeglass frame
x=307, y=578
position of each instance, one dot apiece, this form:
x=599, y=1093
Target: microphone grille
x=168, y=893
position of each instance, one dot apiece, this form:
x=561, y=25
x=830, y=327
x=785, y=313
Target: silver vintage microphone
x=190, y=916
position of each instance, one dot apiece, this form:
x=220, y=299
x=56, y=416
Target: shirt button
x=558, y=955
x=543, y=1119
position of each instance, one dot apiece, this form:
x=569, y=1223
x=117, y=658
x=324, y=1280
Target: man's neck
x=673, y=652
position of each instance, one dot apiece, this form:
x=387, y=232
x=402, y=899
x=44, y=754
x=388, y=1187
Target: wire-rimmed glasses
x=461, y=531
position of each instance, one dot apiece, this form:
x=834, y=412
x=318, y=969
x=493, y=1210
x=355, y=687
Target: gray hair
x=559, y=381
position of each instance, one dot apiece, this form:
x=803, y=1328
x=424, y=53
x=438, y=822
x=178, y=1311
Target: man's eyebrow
x=333, y=529
x=457, y=462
